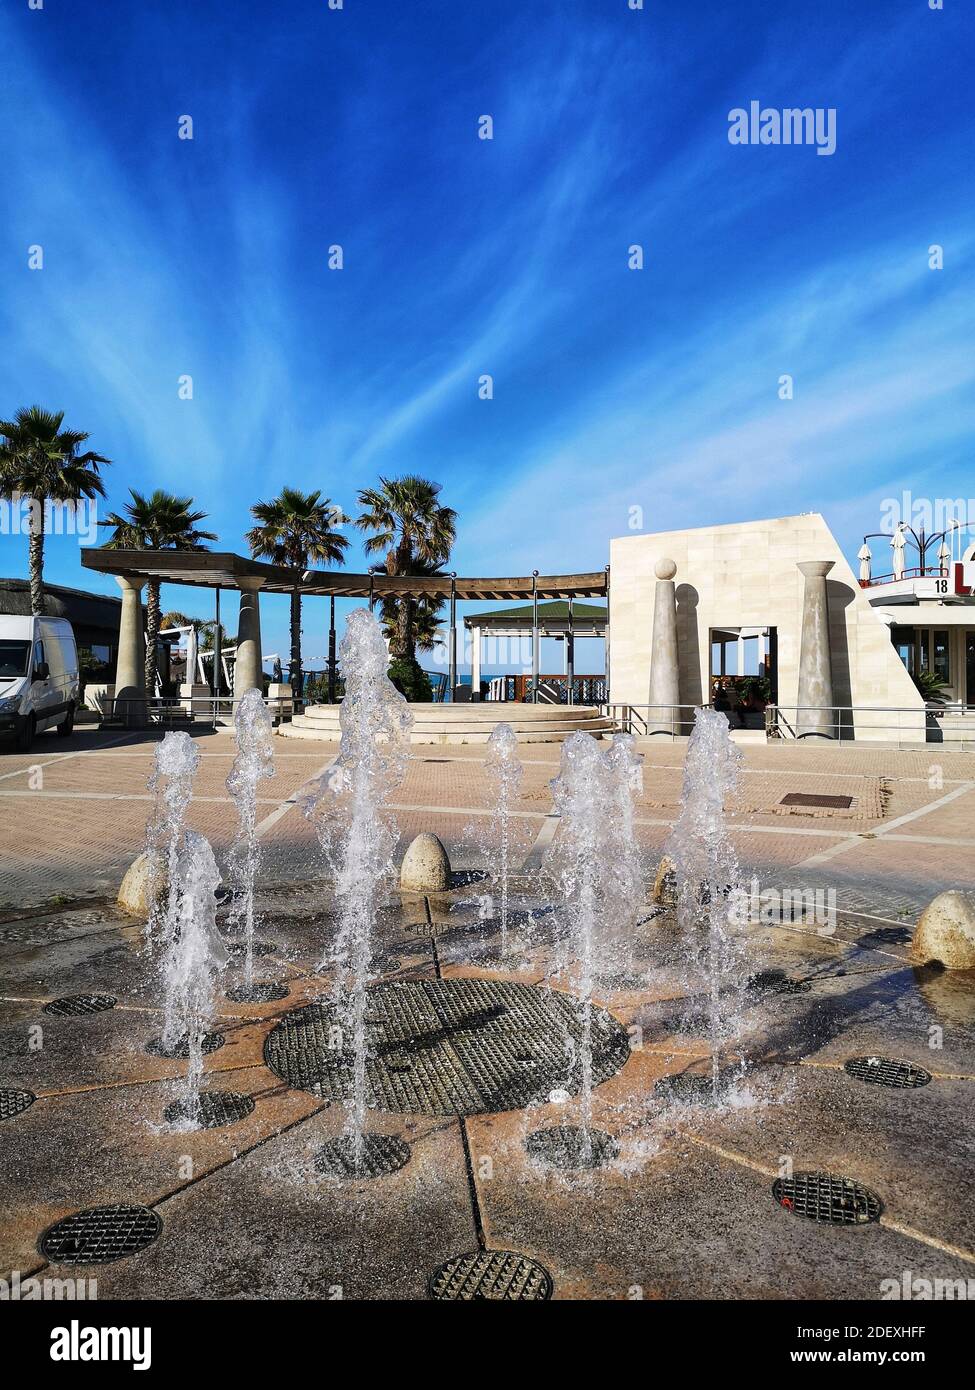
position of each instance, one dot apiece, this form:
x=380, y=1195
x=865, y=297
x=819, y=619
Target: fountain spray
x=357, y=839
x=253, y=763
x=709, y=897
x=505, y=772
x=194, y=955
x=171, y=784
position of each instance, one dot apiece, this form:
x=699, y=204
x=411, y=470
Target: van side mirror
x=41, y=671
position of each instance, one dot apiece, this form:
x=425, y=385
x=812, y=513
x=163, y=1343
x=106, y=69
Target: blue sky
x=613, y=389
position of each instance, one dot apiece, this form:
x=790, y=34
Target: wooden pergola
x=220, y=570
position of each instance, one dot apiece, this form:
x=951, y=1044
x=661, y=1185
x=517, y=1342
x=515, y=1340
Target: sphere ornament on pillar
x=665, y=569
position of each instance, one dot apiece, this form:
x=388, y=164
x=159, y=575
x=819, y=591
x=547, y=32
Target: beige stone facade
x=746, y=576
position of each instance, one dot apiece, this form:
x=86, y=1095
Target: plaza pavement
x=687, y=1211
x=73, y=813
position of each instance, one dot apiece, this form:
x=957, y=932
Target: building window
x=941, y=660
x=905, y=641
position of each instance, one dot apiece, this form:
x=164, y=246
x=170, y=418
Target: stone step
x=434, y=724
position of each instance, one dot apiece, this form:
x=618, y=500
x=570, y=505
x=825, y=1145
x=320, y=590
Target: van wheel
x=26, y=739
x=66, y=727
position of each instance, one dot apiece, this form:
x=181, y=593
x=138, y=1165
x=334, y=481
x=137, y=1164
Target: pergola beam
x=209, y=569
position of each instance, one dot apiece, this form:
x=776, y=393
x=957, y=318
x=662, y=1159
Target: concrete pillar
x=664, y=668
x=130, y=671
x=815, y=664
x=741, y=655
x=247, y=666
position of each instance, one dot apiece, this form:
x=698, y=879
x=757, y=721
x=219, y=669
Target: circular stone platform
x=467, y=723
x=448, y=1047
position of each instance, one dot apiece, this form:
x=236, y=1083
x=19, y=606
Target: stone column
x=247, y=665
x=130, y=670
x=664, y=669
x=815, y=664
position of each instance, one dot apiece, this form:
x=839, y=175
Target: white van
x=39, y=684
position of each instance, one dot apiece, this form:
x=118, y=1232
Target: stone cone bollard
x=945, y=932
x=665, y=884
x=135, y=894
x=426, y=868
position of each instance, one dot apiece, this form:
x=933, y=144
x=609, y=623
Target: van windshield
x=14, y=657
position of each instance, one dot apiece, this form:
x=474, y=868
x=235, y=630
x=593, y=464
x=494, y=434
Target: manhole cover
x=213, y=1110
x=830, y=803
x=380, y=1154
x=75, y=1005
x=257, y=994
x=448, y=1047
x=211, y=1043
x=491, y=1274
x=571, y=1146
x=883, y=1071
x=260, y=948
x=15, y=1103
x=99, y=1236
x=776, y=982
x=826, y=1198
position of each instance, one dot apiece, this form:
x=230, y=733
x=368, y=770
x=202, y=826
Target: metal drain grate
x=887, y=936
x=884, y=1071
x=380, y=1154
x=257, y=994
x=448, y=1047
x=212, y=1042
x=829, y=803
x=498, y=1275
x=828, y=1199
x=776, y=982
x=571, y=1146
x=214, y=1110
x=77, y=1005
x=99, y=1236
x=15, y=1103
x=238, y=949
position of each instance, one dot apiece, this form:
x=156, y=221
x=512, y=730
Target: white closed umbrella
x=944, y=556
x=864, y=556
x=897, y=546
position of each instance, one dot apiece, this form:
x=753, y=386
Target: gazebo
x=561, y=619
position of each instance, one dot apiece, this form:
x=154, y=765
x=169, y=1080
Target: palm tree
x=296, y=529
x=160, y=521
x=416, y=533
x=42, y=462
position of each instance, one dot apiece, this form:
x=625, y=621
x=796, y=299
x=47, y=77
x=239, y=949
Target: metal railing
x=647, y=721
x=171, y=712
x=867, y=723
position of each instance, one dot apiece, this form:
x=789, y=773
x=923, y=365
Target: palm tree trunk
x=36, y=556
x=294, y=669
x=153, y=617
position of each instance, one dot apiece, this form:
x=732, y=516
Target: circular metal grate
x=238, y=949
x=213, y=1109
x=776, y=982
x=212, y=1042
x=449, y=1047
x=380, y=1154
x=14, y=1103
x=499, y=1275
x=100, y=1235
x=257, y=994
x=829, y=1199
x=883, y=1071
x=572, y=1146
x=77, y=1005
